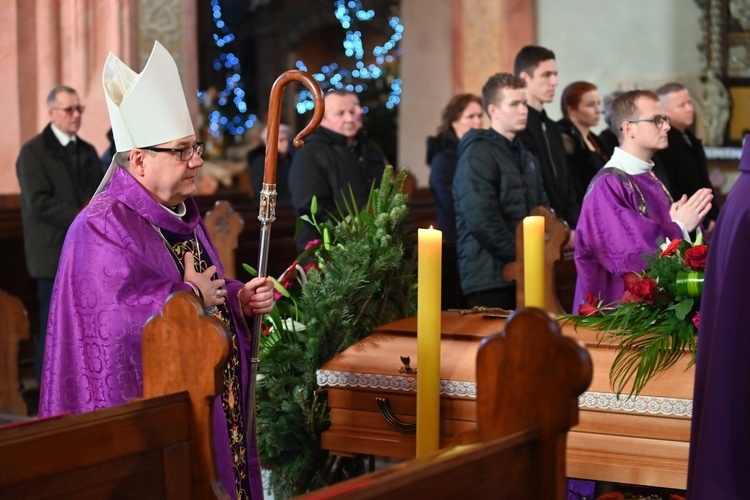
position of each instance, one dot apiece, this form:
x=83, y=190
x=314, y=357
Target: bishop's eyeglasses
x=185, y=153
x=658, y=120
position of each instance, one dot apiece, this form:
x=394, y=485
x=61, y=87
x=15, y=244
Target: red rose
x=695, y=257
x=671, y=248
x=590, y=307
x=641, y=288
x=697, y=320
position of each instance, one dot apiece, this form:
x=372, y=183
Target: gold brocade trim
x=232, y=397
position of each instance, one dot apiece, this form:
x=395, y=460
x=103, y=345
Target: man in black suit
x=684, y=160
x=58, y=173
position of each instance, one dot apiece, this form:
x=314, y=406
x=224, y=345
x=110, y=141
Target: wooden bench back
x=140, y=449
x=224, y=227
x=14, y=327
x=156, y=447
x=529, y=378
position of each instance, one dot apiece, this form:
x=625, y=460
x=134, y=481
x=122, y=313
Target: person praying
x=627, y=209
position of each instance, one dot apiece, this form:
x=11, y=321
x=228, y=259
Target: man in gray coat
x=58, y=173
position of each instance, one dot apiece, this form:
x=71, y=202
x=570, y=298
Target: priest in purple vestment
x=627, y=209
x=720, y=434
x=139, y=240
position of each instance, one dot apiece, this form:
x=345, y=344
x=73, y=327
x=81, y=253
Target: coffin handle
x=384, y=404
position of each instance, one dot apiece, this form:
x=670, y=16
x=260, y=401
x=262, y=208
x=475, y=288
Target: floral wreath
x=656, y=320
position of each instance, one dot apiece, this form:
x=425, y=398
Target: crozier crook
x=267, y=208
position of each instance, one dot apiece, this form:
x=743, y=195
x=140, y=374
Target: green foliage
x=358, y=277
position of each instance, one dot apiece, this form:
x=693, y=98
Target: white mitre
x=147, y=108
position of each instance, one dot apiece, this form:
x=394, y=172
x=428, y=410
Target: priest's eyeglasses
x=185, y=153
x=659, y=120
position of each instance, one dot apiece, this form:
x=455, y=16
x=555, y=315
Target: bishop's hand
x=256, y=297
x=211, y=290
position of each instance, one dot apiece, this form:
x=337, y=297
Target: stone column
x=51, y=42
x=174, y=23
x=452, y=47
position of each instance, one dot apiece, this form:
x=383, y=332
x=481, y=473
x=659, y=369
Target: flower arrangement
x=656, y=320
x=358, y=275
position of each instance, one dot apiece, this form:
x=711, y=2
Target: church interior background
x=405, y=58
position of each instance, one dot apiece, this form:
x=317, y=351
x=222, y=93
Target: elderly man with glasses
x=684, y=160
x=627, y=209
x=58, y=172
x=139, y=240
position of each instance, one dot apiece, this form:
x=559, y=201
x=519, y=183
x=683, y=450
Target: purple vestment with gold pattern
x=116, y=272
x=622, y=217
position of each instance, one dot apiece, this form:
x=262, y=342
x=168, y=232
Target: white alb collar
x=629, y=163
x=179, y=212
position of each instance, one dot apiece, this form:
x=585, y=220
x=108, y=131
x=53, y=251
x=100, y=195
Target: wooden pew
x=14, y=327
x=157, y=447
x=529, y=378
x=224, y=228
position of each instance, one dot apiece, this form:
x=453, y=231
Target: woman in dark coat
x=585, y=153
x=463, y=112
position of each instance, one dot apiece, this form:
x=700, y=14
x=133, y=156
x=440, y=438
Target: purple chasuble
x=720, y=434
x=622, y=217
x=115, y=272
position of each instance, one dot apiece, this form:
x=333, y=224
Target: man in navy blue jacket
x=497, y=183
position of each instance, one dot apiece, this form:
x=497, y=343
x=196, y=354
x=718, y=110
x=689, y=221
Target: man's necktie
x=72, y=151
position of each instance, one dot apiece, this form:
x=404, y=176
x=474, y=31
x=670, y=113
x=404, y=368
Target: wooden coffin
x=373, y=369
x=641, y=440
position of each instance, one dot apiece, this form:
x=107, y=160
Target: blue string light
x=238, y=118
x=229, y=113
x=332, y=76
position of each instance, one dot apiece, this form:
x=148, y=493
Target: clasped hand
x=691, y=211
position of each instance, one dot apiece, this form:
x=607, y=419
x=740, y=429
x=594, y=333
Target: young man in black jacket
x=496, y=185
x=537, y=67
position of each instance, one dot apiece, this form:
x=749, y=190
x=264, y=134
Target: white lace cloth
x=605, y=401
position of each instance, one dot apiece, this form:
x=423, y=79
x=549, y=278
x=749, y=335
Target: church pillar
x=51, y=42
x=174, y=23
x=452, y=47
